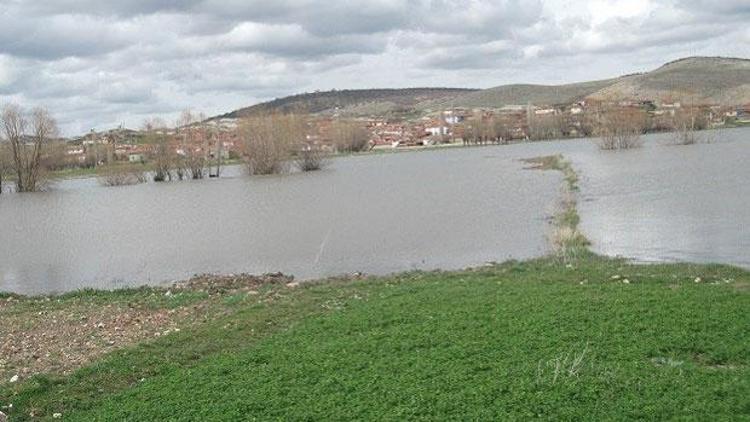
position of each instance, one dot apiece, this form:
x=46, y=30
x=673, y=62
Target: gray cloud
x=99, y=63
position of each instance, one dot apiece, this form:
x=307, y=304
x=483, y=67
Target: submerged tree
x=27, y=136
x=620, y=128
x=162, y=153
x=269, y=140
x=349, y=136
x=685, y=123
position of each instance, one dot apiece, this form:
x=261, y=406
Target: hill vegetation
x=353, y=101
x=707, y=80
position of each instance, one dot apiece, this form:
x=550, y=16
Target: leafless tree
x=310, y=158
x=162, y=152
x=268, y=141
x=620, y=128
x=4, y=163
x=27, y=136
x=349, y=136
x=685, y=123
x=194, y=145
x=122, y=176
x=546, y=126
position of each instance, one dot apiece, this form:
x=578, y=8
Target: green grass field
x=591, y=339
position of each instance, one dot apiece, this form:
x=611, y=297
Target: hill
x=706, y=80
x=352, y=101
x=531, y=94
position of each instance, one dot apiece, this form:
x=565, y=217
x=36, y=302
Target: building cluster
x=220, y=137
x=212, y=139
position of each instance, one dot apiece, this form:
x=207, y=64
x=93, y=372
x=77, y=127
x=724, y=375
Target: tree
x=349, y=136
x=162, y=153
x=268, y=140
x=27, y=135
x=620, y=128
x=193, y=136
x=4, y=163
x=685, y=123
x=546, y=126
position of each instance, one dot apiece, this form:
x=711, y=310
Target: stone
x=3, y=418
x=57, y=415
x=14, y=378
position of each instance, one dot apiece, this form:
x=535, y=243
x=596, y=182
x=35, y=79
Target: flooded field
x=372, y=214
x=383, y=213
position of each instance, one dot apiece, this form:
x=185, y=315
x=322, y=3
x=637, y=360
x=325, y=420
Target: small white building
x=135, y=158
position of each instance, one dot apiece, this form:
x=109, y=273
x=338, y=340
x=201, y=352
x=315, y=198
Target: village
x=220, y=138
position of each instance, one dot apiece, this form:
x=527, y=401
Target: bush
x=267, y=141
x=311, y=159
x=349, y=136
x=122, y=177
x=620, y=129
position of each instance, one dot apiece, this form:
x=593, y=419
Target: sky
x=96, y=64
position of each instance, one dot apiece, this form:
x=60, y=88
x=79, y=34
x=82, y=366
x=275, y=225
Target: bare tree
x=162, y=152
x=349, y=136
x=685, y=123
x=546, y=126
x=27, y=137
x=620, y=128
x=310, y=158
x=194, y=145
x=4, y=163
x=268, y=141
x=122, y=176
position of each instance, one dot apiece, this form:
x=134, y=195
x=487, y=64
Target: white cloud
x=102, y=63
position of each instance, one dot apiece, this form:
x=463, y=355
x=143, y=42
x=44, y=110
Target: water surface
x=665, y=202
x=374, y=214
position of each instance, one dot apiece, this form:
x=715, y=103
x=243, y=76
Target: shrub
x=311, y=159
x=267, y=141
x=620, y=129
x=349, y=136
x=122, y=177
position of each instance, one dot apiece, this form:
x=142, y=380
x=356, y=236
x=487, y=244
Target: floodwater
x=379, y=214
x=666, y=202
x=374, y=214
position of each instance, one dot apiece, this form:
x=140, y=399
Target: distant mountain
x=704, y=80
x=353, y=101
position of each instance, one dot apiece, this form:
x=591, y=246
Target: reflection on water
x=375, y=214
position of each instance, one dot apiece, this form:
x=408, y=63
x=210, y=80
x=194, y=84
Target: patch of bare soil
x=46, y=335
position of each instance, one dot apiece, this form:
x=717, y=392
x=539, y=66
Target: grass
x=567, y=239
x=570, y=336
x=541, y=338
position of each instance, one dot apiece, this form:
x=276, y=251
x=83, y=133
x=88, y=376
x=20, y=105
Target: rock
x=14, y=378
x=3, y=418
x=293, y=284
x=57, y=415
x=626, y=281
x=615, y=277
x=698, y=279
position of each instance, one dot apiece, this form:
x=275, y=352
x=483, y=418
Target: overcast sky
x=99, y=63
